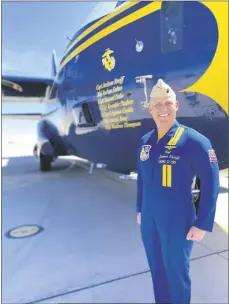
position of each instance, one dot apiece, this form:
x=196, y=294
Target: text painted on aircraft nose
x=24, y=231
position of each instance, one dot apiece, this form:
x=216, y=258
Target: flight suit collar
x=173, y=129
x=170, y=132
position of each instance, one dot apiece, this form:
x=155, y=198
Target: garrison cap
x=161, y=90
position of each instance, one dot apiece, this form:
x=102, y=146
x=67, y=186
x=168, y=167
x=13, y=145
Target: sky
x=31, y=30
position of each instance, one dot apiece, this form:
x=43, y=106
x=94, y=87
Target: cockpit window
x=100, y=10
x=119, y=3
x=171, y=26
x=53, y=93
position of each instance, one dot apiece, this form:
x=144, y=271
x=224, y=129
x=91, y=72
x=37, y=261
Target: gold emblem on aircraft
x=108, y=60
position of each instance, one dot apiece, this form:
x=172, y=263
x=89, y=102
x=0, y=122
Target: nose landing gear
x=44, y=160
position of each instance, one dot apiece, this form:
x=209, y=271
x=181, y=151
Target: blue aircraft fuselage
x=94, y=109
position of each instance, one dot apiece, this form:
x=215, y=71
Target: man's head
x=163, y=104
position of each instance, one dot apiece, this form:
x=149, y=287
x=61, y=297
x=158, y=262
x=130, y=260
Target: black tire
x=45, y=163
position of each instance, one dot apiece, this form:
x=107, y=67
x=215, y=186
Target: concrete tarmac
x=89, y=248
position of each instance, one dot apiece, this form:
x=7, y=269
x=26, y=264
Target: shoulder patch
x=212, y=156
x=144, y=155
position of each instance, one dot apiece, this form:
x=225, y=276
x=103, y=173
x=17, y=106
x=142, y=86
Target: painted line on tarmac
x=113, y=280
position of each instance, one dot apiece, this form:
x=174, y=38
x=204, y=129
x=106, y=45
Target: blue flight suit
x=166, y=169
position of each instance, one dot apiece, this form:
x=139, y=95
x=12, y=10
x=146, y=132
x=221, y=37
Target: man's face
x=163, y=111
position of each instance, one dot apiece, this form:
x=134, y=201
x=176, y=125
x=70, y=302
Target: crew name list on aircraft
x=114, y=109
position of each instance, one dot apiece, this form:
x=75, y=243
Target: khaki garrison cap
x=162, y=91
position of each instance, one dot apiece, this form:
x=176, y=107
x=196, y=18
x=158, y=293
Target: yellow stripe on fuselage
x=100, y=22
x=214, y=82
x=142, y=12
x=216, y=75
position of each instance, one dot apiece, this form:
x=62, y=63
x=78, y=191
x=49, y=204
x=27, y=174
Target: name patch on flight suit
x=168, y=159
x=144, y=155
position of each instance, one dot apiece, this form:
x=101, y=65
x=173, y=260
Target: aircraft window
x=71, y=69
x=82, y=119
x=61, y=75
x=87, y=113
x=119, y=3
x=171, y=26
x=54, y=96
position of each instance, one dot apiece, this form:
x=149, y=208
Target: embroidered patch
x=170, y=147
x=145, y=152
x=212, y=156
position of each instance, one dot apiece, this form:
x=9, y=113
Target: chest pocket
x=146, y=164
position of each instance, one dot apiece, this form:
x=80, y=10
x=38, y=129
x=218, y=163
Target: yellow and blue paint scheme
x=94, y=107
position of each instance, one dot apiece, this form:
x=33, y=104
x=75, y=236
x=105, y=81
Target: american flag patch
x=212, y=156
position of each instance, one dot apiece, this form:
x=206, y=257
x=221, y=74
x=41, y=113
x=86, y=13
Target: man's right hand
x=139, y=218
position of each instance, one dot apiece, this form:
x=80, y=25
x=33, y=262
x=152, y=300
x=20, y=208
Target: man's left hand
x=195, y=234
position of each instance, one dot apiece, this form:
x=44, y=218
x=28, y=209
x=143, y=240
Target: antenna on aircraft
x=54, y=65
x=69, y=38
x=142, y=80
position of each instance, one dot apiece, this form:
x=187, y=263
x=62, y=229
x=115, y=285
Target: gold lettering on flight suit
x=170, y=159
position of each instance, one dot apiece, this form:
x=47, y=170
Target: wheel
x=35, y=152
x=45, y=162
x=196, y=194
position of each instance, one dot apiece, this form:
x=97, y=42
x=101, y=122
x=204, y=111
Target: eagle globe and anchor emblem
x=108, y=60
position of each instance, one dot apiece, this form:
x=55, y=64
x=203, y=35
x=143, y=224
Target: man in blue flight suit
x=169, y=158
